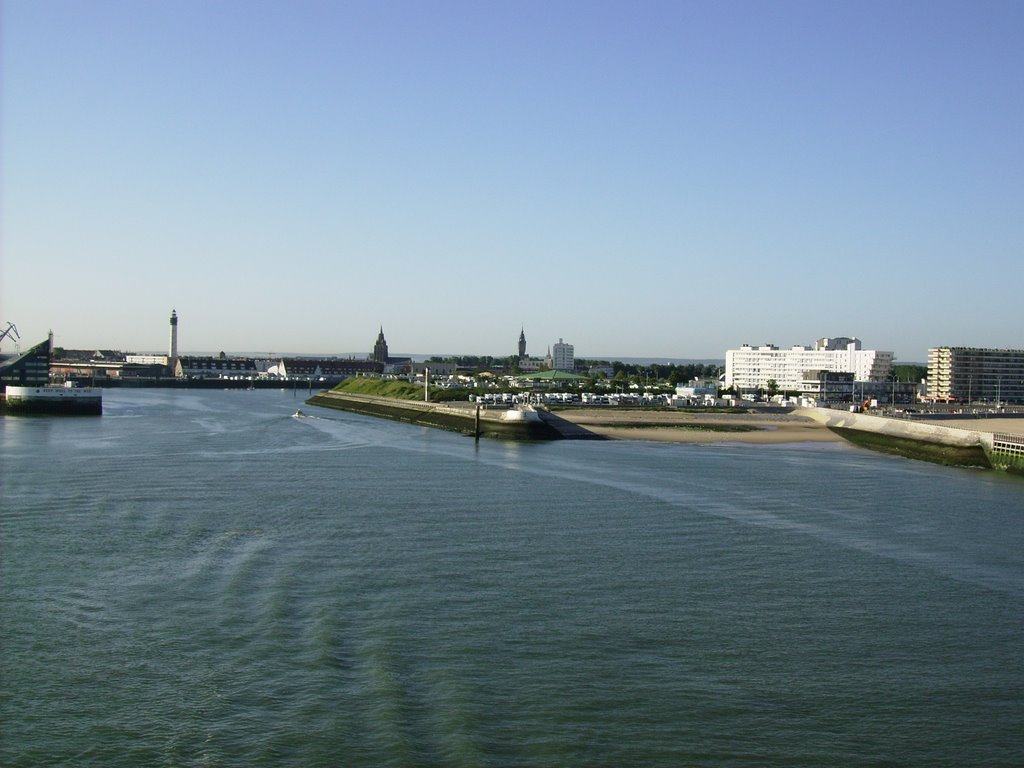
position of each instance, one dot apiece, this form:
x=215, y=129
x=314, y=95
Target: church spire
x=380, y=348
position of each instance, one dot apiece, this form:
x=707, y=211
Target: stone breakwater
x=942, y=444
x=465, y=418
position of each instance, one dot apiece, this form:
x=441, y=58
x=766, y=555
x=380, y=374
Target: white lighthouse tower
x=172, y=351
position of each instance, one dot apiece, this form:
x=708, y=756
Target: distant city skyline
x=655, y=180
x=381, y=347
x=381, y=343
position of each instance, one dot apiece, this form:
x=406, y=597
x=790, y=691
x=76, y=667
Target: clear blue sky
x=666, y=179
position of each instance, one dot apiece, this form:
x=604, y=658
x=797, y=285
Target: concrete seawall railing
x=1007, y=452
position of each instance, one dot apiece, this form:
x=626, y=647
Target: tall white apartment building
x=751, y=368
x=563, y=357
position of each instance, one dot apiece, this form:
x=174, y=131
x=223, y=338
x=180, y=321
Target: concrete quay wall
x=929, y=442
x=449, y=416
x=914, y=430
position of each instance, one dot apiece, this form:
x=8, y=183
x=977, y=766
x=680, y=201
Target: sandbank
x=689, y=427
x=1006, y=426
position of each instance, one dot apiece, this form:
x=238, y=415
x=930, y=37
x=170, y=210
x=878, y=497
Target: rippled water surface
x=198, y=578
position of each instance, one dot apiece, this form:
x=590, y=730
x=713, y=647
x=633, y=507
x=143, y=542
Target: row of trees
x=672, y=373
x=910, y=372
x=650, y=373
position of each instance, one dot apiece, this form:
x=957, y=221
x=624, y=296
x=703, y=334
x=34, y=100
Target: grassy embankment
x=402, y=401
x=399, y=390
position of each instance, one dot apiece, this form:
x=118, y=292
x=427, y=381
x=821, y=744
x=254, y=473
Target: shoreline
x=688, y=427
x=948, y=444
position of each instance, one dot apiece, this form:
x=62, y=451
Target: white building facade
x=751, y=368
x=147, y=359
x=563, y=357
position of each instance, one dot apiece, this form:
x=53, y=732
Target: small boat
x=298, y=414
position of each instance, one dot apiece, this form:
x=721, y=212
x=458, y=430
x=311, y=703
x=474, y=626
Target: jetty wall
x=464, y=418
x=913, y=439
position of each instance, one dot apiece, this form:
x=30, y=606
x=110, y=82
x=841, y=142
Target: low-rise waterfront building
x=330, y=370
x=99, y=370
x=532, y=364
x=220, y=367
x=438, y=367
x=971, y=374
x=146, y=359
x=701, y=393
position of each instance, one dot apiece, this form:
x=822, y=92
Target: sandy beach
x=759, y=428
x=684, y=427
x=1007, y=426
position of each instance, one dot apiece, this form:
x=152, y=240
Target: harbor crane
x=11, y=330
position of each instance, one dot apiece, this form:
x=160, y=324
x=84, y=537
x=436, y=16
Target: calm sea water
x=199, y=579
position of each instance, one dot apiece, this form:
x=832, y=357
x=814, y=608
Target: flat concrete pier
x=567, y=429
x=456, y=417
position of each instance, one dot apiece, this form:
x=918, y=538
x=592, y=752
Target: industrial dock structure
x=26, y=387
